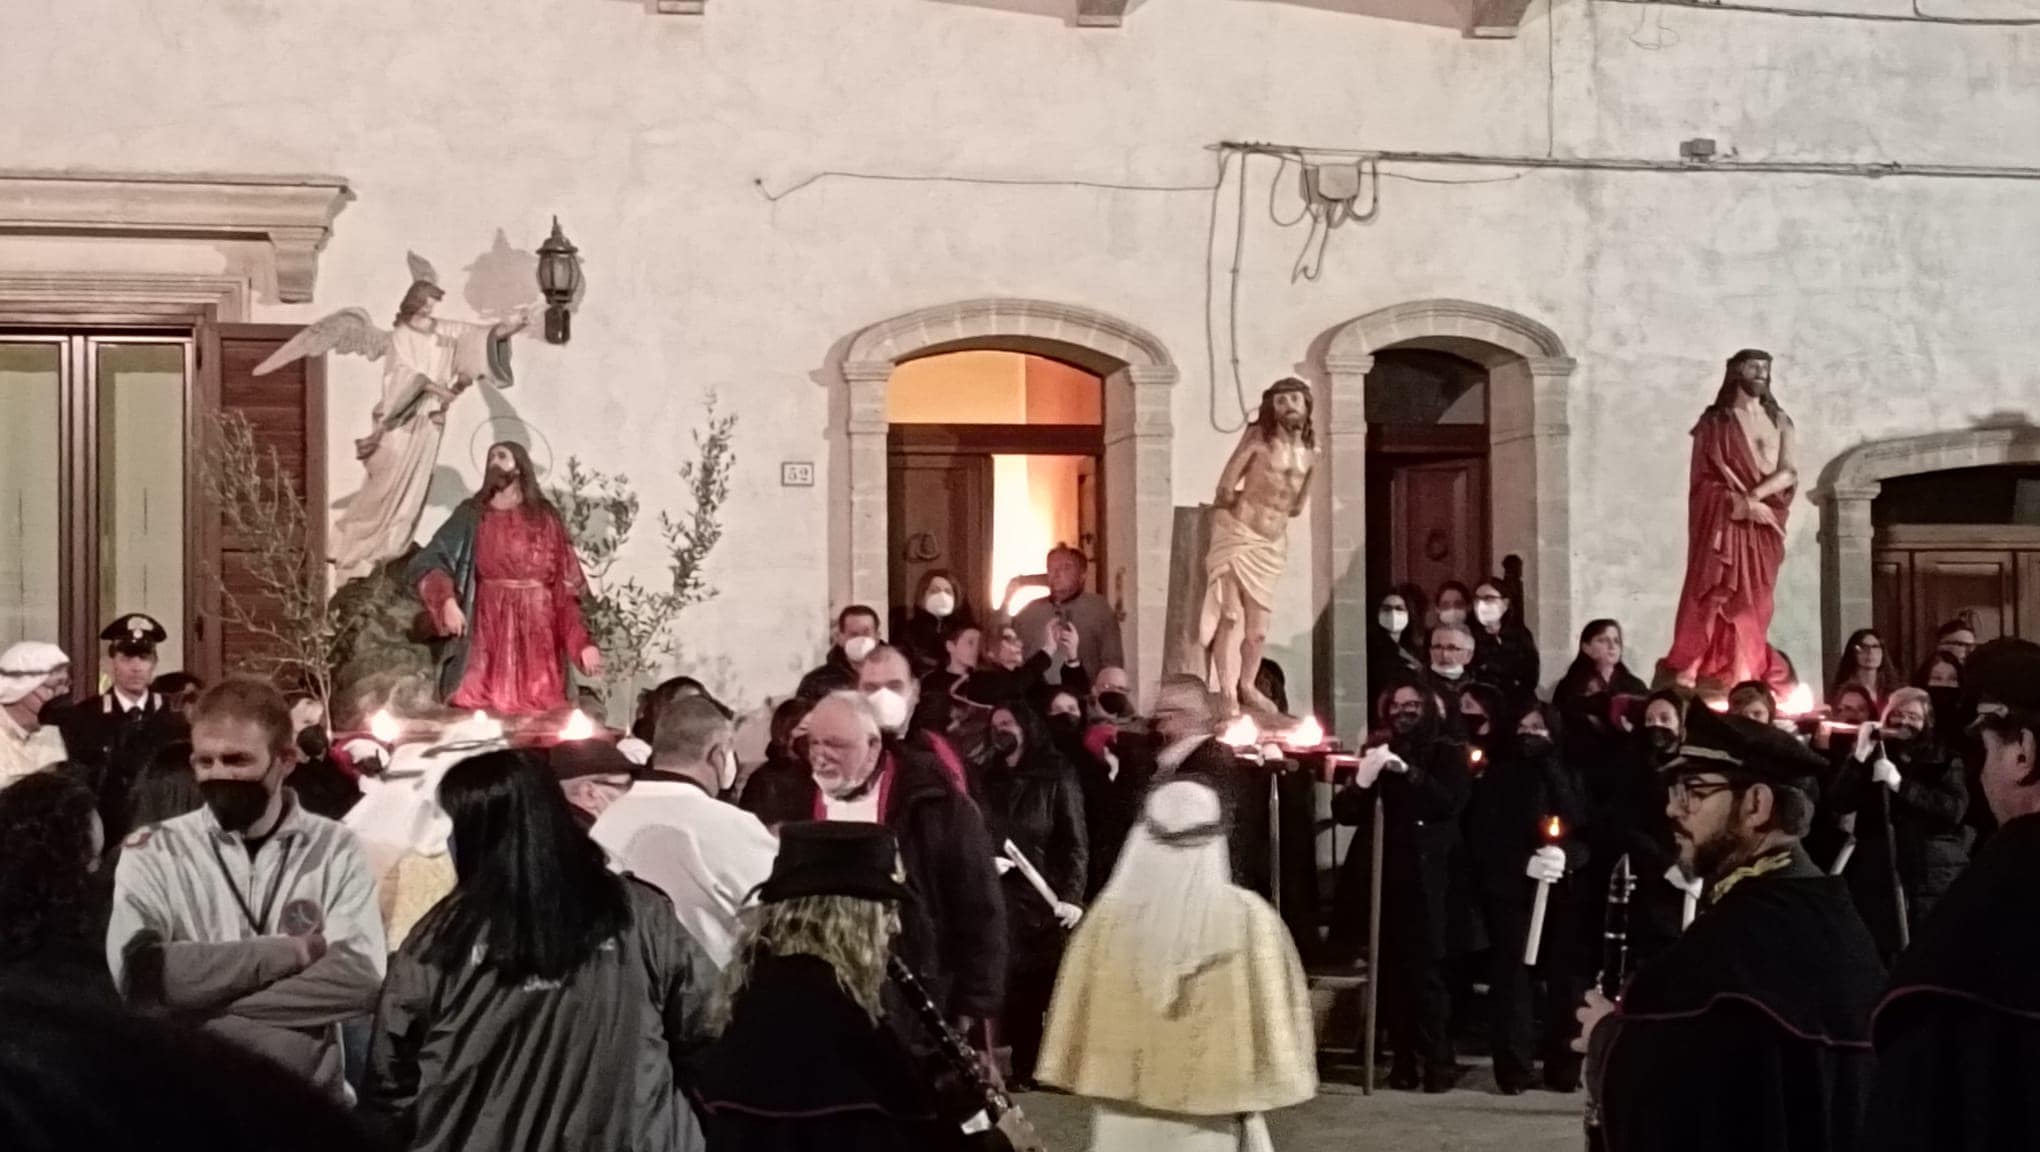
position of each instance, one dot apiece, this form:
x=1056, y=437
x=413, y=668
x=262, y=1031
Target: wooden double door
x=942, y=502
x=1928, y=574
x=1427, y=506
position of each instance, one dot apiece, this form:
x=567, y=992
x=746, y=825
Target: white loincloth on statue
x=1124, y=1128
x=1240, y=559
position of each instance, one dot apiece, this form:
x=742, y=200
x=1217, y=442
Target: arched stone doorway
x=1139, y=375
x=1528, y=460
x=1849, y=486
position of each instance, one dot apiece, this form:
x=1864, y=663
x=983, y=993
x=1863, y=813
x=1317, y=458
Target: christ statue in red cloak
x=1738, y=498
x=503, y=586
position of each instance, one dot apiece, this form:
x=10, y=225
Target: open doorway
x=993, y=458
x=1957, y=544
x=1427, y=470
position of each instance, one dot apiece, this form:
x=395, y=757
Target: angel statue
x=427, y=362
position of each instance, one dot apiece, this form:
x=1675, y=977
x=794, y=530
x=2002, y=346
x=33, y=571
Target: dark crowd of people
x=477, y=941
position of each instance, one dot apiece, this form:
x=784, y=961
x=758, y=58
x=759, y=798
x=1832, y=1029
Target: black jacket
x=1040, y=807
x=1752, y=1032
x=1422, y=845
x=836, y=673
x=1958, y=1033
x=1627, y=818
x=1512, y=801
x=801, y=1068
x=1593, y=741
x=1926, y=821
x=954, y=933
x=1508, y=660
x=460, y=1060
x=925, y=639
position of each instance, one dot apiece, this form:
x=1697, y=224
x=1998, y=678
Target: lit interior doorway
x=95, y=483
x=1428, y=515
x=994, y=457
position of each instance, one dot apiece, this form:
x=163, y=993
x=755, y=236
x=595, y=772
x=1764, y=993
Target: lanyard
x=275, y=884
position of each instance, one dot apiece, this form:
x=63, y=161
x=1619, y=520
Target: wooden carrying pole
x=1373, y=1001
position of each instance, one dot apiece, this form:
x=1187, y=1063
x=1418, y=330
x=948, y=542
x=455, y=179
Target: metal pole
x=1373, y=1003
x=1891, y=854
x=1275, y=837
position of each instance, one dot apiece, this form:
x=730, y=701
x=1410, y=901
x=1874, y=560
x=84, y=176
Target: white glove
x=1866, y=743
x=1886, y=773
x=1371, y=763
x=1111, y=765
x=1547, y=864
x=1002, y=865
x=1690, y=885
x=1067, y=913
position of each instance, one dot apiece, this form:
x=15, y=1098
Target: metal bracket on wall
x=675, y=7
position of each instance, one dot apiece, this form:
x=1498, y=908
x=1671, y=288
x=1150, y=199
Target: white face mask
x=1451, y=615
x=858, y=647
x=940, y=604
x=1393, y=620
x=893, y=709
x=726, y=770
x=1488, y=613
x=1448, y=673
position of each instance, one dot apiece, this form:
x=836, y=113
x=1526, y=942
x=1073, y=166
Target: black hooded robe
x=1752, y=1032
x=1958, y=1034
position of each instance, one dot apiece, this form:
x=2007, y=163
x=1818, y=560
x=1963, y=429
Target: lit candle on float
x=1242, y=732
x=1305, y=736
x=384, y=727
x=1798, y=702
x=578, y=727
x=1554, y=831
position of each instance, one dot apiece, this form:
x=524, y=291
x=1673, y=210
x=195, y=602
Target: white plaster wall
x=1895, y=305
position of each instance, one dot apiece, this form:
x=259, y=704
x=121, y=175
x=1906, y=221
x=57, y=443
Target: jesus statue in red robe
x=503, y=587
x=1739, y=497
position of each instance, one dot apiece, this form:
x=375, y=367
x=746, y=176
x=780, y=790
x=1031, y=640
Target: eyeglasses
x=1457, y=649
x=1688, y=792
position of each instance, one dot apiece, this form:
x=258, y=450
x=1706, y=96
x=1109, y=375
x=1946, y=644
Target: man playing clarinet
x=1753, y=1030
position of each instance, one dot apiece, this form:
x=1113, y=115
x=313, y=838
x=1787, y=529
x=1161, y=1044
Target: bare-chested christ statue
x=1739, y=495
x=1262, y=488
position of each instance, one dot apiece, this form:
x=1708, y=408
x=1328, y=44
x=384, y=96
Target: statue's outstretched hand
x=1760, y=513
x=456, y=621
x=591, y=660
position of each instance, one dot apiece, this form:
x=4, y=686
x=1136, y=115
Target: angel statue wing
x=348, y=331
x=421, y=268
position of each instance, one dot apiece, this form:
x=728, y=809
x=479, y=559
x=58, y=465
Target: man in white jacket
x=672, y=832
x=250, y=915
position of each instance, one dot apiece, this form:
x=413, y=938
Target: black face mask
x=1066, y=727
x=236, y=804
x=1003, y=743
x=1663, y=741
x=314, y=743
x=1404, y=723
x=1115, y=703
x=1946, y=702
x=1535, y=747
x=52, y=711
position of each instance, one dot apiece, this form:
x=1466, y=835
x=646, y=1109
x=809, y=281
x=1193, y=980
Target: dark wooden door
x=286, y=411
x=1438, y=521
x=939, y=515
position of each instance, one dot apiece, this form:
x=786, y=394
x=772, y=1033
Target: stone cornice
x=294, y=214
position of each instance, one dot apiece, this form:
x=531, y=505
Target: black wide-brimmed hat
x=835, y=858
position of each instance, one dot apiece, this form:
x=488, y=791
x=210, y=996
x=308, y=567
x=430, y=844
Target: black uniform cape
x=1958, y=1034
x=1751, y=1033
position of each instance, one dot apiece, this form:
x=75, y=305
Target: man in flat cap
x=1958, y=1032
x=112, y=736
x=32, y=674
x=1753, y=1030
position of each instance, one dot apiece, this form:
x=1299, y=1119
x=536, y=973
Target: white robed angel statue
x=427, y=363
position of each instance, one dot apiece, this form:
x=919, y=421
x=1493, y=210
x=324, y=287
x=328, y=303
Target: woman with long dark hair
x=546, y=1002
x=52, y=923
x=1866, y=661
x=1587, y=698
x=1395, y=645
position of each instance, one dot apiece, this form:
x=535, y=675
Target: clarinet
x=1010, y=1122
x=1613, y=975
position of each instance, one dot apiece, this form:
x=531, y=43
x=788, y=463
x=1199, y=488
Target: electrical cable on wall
x=1917, y=16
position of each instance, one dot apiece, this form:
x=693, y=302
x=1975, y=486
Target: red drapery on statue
x=526, y=624
x=1724, y=618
